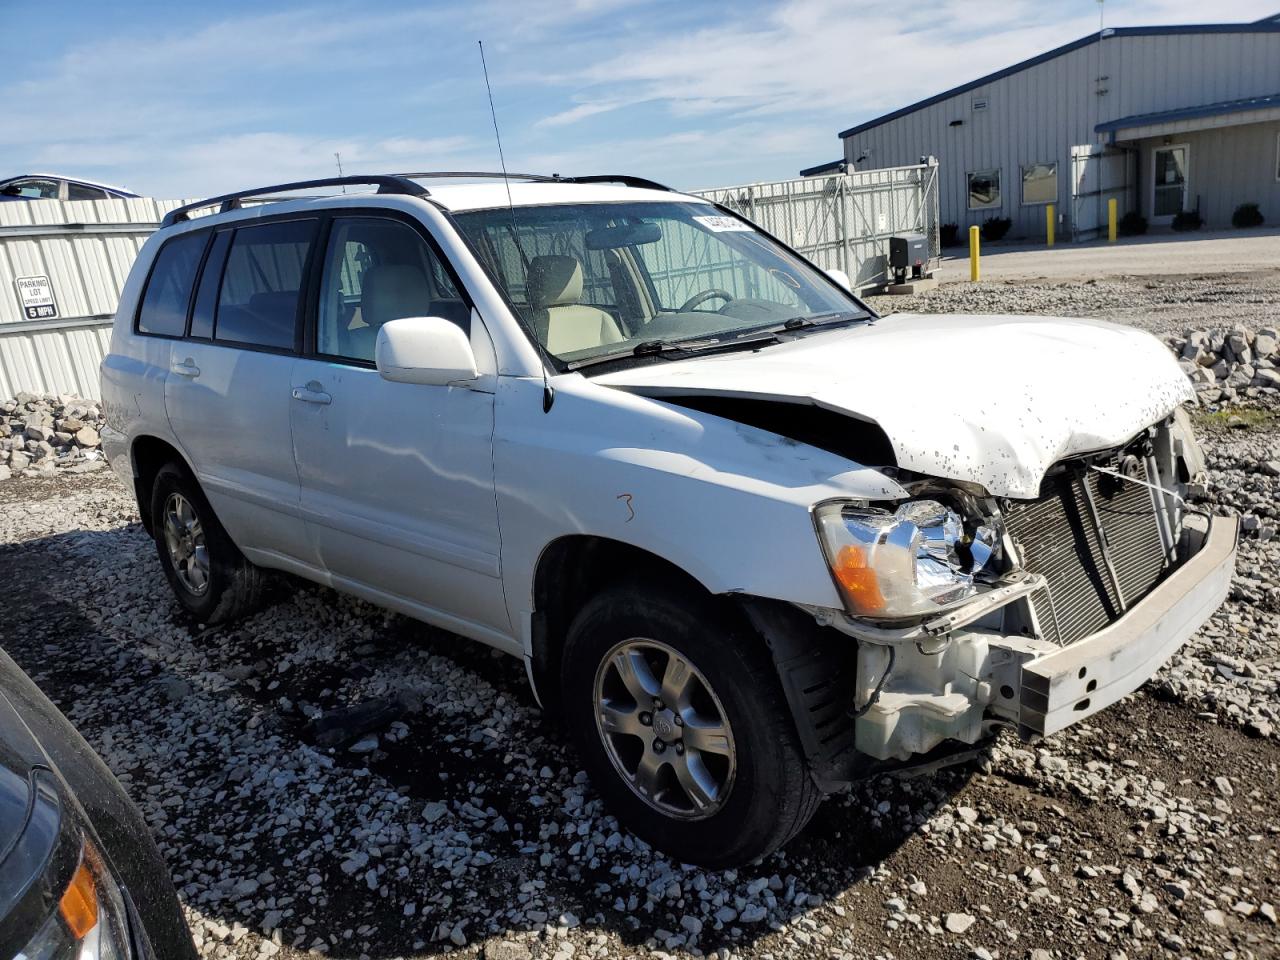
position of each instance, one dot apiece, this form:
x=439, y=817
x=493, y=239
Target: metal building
x=1162, y=119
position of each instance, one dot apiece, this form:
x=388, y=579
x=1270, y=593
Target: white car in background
x=752, y=541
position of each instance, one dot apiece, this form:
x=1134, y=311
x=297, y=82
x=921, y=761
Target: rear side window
x=76, y=191
x=164, y=303
x=258, y=301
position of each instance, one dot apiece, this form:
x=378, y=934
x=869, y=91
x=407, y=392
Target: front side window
x=377, y=270
x=1040, y=183
x=164, y=302
x=984, y=189
x=258, y=301
x=33, y=188
x=601, y=279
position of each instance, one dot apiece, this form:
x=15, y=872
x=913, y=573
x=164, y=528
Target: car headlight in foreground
x=912, y=562
x=89, y=922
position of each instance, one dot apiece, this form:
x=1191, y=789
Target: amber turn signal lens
x=79, y=906
x=858, y=580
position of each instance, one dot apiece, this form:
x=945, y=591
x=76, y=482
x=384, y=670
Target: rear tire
x=678, y=715
x=208, y=574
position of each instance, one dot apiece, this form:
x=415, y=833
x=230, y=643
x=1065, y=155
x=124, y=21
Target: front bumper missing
x=1074, y=682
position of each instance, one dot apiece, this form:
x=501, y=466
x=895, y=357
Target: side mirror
x=840, y=277
x=429, y=350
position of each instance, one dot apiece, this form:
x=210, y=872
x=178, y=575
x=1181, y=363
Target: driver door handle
x=185, y=368
x=312, y=393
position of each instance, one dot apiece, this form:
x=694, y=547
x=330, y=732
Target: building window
x=1039, y=184
x=984, y=189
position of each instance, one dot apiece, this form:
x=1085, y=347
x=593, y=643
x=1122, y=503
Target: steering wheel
x=700, y=298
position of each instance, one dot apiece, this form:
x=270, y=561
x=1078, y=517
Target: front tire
x=208, y=574
x=677, y=713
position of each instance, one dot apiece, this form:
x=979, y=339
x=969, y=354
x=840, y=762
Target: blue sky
x=177, y=99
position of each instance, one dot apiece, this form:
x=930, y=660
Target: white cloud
x=711, y=92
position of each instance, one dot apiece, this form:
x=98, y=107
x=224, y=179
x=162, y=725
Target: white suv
x=752, y=541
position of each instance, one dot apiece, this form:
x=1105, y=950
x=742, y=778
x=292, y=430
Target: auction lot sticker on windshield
x=725, y=224
x=36, y=295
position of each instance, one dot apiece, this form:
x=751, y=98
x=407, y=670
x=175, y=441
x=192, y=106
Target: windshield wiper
x=648, y=348
x=676, y=349
x=815, y=320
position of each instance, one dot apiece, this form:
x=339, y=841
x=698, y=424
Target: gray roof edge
x=1268, y=25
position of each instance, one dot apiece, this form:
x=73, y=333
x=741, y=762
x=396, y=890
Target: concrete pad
x=911, y=287
x=1166, y=253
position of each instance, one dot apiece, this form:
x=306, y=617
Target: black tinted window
x=207, y=293
x=76, y=191
x=258, y=302
x=164, y=304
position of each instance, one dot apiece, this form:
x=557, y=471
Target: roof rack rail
x=386, y=183
x=478, y=175
x=623, y=178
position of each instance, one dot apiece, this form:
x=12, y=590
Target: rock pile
x=1230, y=365
x=40, y=435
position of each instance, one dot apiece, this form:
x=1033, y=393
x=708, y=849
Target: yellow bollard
x=1048, y=225
x=975, y=255
x=1111, y=220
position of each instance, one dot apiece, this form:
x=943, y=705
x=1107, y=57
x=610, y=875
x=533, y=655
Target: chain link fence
x=844, y=221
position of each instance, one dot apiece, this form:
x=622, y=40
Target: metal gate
x=1098, y=174
x=844, y=221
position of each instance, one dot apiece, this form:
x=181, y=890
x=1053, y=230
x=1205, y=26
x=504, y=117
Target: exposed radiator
x=1057, y=537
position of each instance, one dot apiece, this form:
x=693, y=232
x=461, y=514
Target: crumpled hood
x=994, y=400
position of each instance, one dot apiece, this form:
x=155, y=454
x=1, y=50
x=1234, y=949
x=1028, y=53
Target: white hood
x=995, y=400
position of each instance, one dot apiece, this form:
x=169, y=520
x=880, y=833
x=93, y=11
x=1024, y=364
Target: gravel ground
x=462, y=825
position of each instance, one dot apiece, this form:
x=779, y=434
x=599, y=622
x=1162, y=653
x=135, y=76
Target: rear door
x=396, y=478
x=228, y=389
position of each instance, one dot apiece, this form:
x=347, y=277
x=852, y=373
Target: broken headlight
x=912, y=562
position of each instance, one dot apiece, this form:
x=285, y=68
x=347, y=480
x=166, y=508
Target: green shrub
x=1247, y=215
x=1188, y=220
x=1132, y=224
x=949, y=234
x=995, y=227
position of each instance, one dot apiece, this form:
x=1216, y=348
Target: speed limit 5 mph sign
x=36, y=296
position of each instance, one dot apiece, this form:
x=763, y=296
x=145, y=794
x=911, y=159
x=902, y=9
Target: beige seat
x=560, y=320
x=389, y=292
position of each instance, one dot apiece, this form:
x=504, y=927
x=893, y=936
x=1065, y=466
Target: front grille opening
x=1058, y=538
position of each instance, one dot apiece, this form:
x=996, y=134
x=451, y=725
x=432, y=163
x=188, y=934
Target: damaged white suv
x=752, y=541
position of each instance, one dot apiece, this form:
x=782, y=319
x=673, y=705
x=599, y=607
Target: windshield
x=600, y=279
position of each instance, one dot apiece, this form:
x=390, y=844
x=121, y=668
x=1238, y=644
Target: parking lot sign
x=36, y=297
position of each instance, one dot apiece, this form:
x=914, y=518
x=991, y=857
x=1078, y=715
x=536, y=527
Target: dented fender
x=727, y=503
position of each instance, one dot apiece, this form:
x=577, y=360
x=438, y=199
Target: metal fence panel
x=85, y=248
x=843, y=221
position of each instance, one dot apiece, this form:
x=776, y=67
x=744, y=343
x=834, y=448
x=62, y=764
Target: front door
x=396, y=478
x=1168, y=182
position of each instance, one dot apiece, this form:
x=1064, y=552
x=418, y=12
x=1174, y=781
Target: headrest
x=392, y=291
x=554, y=281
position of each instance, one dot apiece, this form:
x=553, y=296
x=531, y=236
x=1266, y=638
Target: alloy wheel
x=185, y=541
x=664, y=729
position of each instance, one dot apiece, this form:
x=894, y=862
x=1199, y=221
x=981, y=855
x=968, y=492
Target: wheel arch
x=147, y=454
x=569, y=570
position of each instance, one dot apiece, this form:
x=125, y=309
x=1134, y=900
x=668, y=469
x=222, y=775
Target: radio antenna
x=548, y=395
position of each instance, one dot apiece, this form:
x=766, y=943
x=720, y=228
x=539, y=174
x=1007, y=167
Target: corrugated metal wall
x=85, y=248
x=1039, y=113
